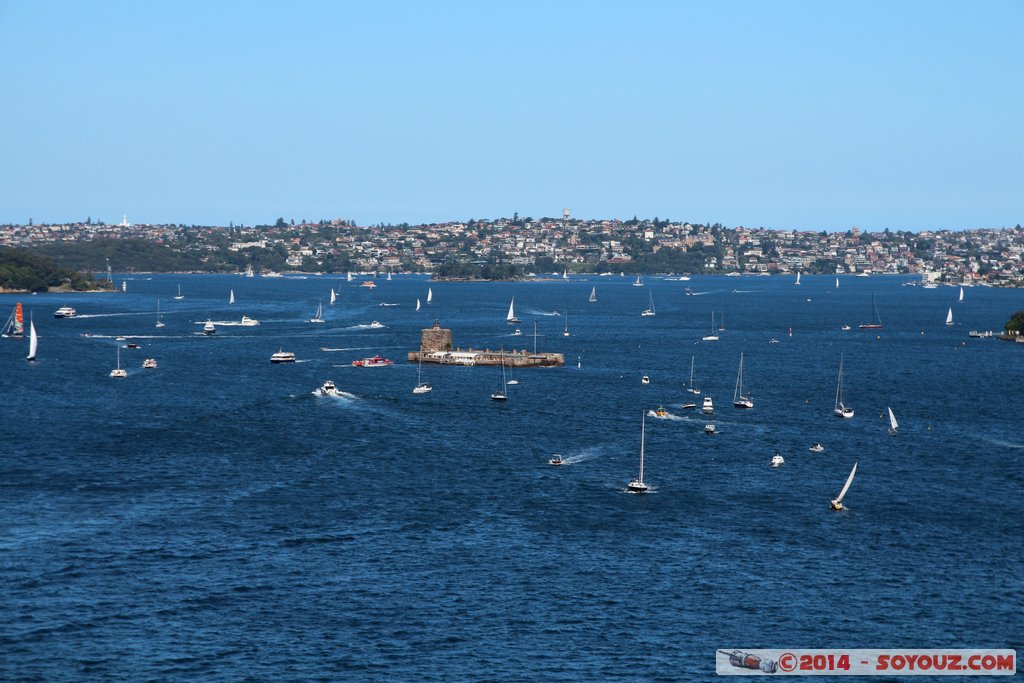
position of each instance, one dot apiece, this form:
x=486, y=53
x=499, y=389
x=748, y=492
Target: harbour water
x=212, y=519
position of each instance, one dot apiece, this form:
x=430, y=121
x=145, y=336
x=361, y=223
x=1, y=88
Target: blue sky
x=806, y=115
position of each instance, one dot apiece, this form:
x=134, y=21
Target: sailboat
x=593, y=295
x=692, y=389
x=417, y=304
x=721, y=322
x=949, y=317
x=565, y=332
x=639, y=282
x=511, y=317
x=837, y=283
x=248, y=271
x=319, y=317
x=738, y=399
x=650, y=309
x=15, y=325
x=961, y=294
x=565, y=274
x=638, y=485
x=348, y=278
x=180, y=295
x=876, y=324
x=389, y=276
x=421, y=386
x=159, y=322
x=33, y=341
x=501, y=394
x=797, y=278
x=712, y=336
x=430, y=295
x=837, y=504
x=231, y=297
x=893, y=426
x=118, y=372
x=334, y=296
x=841, y=410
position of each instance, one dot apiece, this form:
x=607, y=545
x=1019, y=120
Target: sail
x=949, y=317
x=15, y=326
x=511, y=310
x=798, y=277
x=417, y=304
x=231, y=297
x=892, y=420
x=961, y=294
x=334, y=296
x=349, y=277
x=837, y=283
x=33, y=341
x=593, y=294
x=846, y=486
x=430, y=295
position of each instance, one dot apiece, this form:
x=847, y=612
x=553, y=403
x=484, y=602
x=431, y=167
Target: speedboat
x=778, y=460
x=816, y=448
x=375, y=325
x=328, y=389
x=708, y=405
x=149, y=363
x=689, y=406
x=661, y=412
x=556, y=459
x=375, y=362
x=845, y=328
x=709, y=429
x=645, y=380
x=209, y=328
x=283, y=357
x=65, y=312
x=248, y=322
x=131, y=345
x=773, y=340
x=517, y=333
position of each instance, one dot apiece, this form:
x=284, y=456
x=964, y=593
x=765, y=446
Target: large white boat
x=840, y=409
x=282, y=357
x=327, y=389
x=65, y=312
x=374, y=362
x=708, y=406
x=638, y=485
x=248, y=322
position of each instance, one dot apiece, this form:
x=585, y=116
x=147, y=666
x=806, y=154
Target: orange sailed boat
x=15, y=325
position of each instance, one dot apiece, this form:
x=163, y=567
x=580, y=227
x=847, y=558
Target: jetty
x=436, y=347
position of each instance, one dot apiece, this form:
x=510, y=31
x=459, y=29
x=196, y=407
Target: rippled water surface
x=214, y=520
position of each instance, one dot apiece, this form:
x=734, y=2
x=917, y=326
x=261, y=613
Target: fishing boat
x=876, y=324
x=421, y=386
x=556, y=459
x=65, y=312
x=841, y=410
x=778, y=460
x=639, y=282
x=318, y=317
x=327, y=389
x=511, y=317
x=334, y=296
x=893, y=426
x=738, y=399
x=501, y=394
x=638, y=485
x=374, y=362
x=949, y=317
x=231, y=297
x=837, y=504
x=708, y=406
x=33, y=341
x=180, y=296
x=209, y=328
x=159, y=322
x=650, y=309
x=119, y=372
x=282, y=357
x=816, y=448
x=712, y=336
x=149, y=364
x=593, y=295
x=692, y=389
x=15, y=325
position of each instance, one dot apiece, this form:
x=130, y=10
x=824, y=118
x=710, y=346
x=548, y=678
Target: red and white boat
x=375, y=362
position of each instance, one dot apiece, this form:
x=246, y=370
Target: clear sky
x=785, y=114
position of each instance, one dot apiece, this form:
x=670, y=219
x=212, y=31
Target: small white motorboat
x=816, y=448
x=778, y=460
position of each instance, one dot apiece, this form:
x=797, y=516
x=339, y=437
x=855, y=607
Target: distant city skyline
x=790, y=115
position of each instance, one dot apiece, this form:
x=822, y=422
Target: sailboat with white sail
x=797, y=278
x=511, y=317
x=893, y=425
x=639, y=282
x=318, y=317
x=430, y=295
x=712, y=336
x=417, y=304
x=739, y=400
x=837, y=504
x=650, y=308
x=837, y=283
x=501, y=394
x=421, y=386
x=33, y=341
x=180, y=295
x=949, y=316
x=840, y=409
x=348, y=277
x=231, y=297
x=593, y=295
x=638, y=485
x=334, y=296
x=961, y=294
x=159, y=322
x=692, y=389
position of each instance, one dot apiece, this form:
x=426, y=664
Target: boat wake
x=356, y=348
x=579, y=456
x=549, y=314
x=369, y=326
x=1005, y=444
x=666, y=416
x=343, y=396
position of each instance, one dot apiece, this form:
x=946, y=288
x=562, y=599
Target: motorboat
x=709, y=429
x=131, y=345
x=375, y=325
x=556, y=459
x=517, y=333
x=282, y=357
x=773, y=340
x=149, y=363
x=368, y=283
x=328, y=389
x=65, y=312
x=816, y=448
x=209, y=328
x=374, y=362
x=645, y=380
x=689, y=406
x=248, y=322
x=661, y=412
x=708, y=406
x=778, y=460
x=845, y=328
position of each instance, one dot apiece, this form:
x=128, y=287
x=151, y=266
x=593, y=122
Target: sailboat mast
x=643, y=430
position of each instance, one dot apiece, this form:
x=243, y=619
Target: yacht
x=778, y=460
x=248, y=322
x=65, y=312
x=638, y=485
x=119, y=372
x=688, y=406
x=709, y=406
x=209, y=328
x=328, y=389
x=283, y=357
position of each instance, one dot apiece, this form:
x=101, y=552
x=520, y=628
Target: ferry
x=65, y=312
x=375, y=362
x=283, y=357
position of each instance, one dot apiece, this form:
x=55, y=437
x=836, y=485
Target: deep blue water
x=214, y=520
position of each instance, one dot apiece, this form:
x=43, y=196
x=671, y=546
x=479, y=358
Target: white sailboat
x=639, y=282
x=738, y=399
x=511, y=317
x=334, y=296
x=248, y=271
x=389, y=276
x=837, y=283
x=501, y=394
x=841, y=410
x=949, y=317
x=430, y=295
x=417, y=304
x=837, y=504
x=231, y=297
x=638, y=485
x=348, y=278
x=692, y=389
x=33, y=341
x=565, y=274
x=565, y=332
x=650, y=308
x=319, y=316
x=712, y=336
x=159, y=322
x=797, y=278
x=118, y=372
x=961, y=294
x=180, y=295
x=593, y=295
x=893, y=425
x=421, y=386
